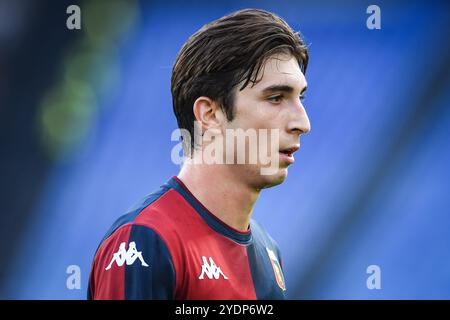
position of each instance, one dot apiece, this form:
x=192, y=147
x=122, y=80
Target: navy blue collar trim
x=214, y=222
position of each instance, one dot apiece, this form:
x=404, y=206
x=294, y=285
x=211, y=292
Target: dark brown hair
x=224, y=53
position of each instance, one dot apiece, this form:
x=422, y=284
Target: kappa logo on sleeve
x=127, y=256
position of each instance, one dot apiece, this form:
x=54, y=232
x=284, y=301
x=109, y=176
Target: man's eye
x=302, y=97
x=276, y=99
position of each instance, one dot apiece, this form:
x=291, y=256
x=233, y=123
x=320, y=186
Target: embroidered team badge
x=276, y=269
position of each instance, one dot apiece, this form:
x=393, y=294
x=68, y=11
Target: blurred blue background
x=86, y=119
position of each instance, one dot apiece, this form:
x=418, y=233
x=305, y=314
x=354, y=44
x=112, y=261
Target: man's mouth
x=287, y=154
x=289, y=151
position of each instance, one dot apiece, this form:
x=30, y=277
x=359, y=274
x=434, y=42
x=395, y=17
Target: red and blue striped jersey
x=170, y=246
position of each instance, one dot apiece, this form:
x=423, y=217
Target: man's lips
x=290, y=151
x=287, y=154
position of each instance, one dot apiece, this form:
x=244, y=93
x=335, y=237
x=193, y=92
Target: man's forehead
x=282, y=71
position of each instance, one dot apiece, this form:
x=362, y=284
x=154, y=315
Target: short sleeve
x=133, y=263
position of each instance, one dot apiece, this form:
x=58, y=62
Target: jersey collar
x=242, y=237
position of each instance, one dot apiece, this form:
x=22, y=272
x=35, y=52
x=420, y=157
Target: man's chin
x=274, y=179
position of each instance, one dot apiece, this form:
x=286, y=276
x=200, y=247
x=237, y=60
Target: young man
x=194, y=237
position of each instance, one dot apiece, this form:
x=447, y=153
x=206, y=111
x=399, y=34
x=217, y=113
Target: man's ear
x=208, y=113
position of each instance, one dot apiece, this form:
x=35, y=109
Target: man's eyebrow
x=281, y=88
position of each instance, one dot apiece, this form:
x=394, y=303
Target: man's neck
x=222, y=193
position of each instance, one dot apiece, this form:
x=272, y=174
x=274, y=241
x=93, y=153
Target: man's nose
x=299, y=122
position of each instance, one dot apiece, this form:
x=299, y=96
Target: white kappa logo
x=211, y=270
x=122, y=256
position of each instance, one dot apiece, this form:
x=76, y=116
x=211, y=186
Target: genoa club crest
x=277, y=269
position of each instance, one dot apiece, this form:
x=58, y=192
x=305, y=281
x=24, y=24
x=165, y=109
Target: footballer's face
x=274, y=103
